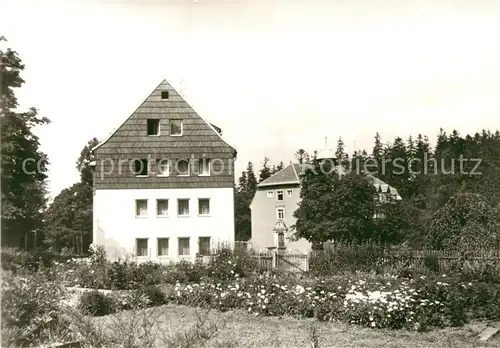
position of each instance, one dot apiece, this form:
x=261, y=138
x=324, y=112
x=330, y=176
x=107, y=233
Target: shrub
x=155, y=296
x=184, y=271
x=120, y=274
x=483, y=301
x=126, y=300
x=96, y=304
x=148, y=273
x=431, y=263
x=339, y=258
x=466, y=221
x=15, y=260
x=30, y=310
x=93, y=276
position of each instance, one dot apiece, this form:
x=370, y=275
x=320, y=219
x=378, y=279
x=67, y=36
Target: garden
x=69, y=300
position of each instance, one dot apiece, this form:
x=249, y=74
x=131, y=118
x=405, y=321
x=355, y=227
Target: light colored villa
x=278, y=197
x=163, y=183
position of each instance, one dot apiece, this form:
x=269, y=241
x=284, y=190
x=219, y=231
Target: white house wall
x=116, y=226
x=264, y=217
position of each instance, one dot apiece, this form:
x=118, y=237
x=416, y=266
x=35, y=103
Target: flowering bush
x=376, y=301
x=30, y=309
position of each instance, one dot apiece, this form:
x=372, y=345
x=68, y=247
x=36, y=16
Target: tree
x=277, y=168
x=340, y=154
x=83, y=162
x=351, y=196
x=251, y=186
x=378, y=150
x=242, y=214
x=265, y=171
x=301, y=156
x=69, y=217
x=466, y=221
x=396, y=224
x=24, y=166
x=396, y=171
x=247, y=186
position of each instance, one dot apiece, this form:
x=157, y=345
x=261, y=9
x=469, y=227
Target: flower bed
x=233, y=282
x=412, y=304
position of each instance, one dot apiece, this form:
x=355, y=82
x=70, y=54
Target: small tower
x=328, y=161
x=326, y=154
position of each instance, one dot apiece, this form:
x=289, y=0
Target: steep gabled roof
x=288, y=175
x=383, y=187
x=151, y=102
x=291, y=175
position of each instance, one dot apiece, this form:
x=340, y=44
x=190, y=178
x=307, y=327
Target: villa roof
x=381, y=186
x=290, y=175
x=286, y=176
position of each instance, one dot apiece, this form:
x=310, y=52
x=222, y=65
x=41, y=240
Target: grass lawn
x=244, y=330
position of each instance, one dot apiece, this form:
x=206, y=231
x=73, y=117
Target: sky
x=276, y=76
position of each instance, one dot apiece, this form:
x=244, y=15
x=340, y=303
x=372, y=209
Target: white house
x=163, y=183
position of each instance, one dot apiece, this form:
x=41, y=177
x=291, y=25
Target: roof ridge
x=295, y=171
x=126, y=119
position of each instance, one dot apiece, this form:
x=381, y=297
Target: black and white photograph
x=261, y=174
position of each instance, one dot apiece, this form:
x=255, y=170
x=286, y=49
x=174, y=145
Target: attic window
x=164, y=94
x=141, y=167
x=154, y=126
x=176, y=127
x=182, y=168
x=279, y=194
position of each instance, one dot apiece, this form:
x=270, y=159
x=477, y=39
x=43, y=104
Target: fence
x=371, y=257
x=283, y=261
x=363, y=258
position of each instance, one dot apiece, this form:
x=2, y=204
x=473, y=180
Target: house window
x=204, y=245
x=289, y=193
x=153, y=126
x=270, y=194
x=141, y=247
x=279, y=195
x=182, y=168
x=164, y=95
x=204, y=166
x=176, y=127
x=162, y=246
x=163, y=167
x=183, y=207
x=280, y=213
x=141, y=207
x=141, y=167
x=183, y=246
x=204, y=206
x=162, y=207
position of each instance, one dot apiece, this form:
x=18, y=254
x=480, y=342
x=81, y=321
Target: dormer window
x=164, y=95
x=176, y=127
x=153, y=126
